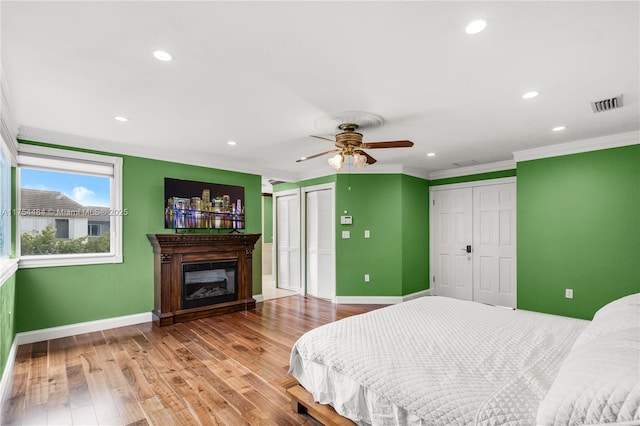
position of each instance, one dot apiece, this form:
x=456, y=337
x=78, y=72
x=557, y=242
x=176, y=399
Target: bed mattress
x=435, y=361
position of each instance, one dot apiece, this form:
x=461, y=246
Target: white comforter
x=437, y=361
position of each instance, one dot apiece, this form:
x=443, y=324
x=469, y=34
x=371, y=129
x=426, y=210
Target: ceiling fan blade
x=370, y=159
x=322, y=137
x=317, y=155
x=390, y=144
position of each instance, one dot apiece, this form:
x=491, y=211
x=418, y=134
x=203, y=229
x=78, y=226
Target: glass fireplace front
x=208, y=283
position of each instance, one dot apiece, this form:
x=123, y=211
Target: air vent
x=606, y=104
x=466, y=163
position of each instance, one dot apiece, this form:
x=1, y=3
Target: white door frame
x=302, y=254
x=303, y=232
x=433, y=189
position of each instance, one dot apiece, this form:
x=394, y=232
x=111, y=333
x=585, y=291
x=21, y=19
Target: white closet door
x=320, y=244
x=288, y=241
x=452, y=213
x=494, y=244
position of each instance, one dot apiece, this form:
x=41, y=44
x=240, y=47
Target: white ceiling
x=261, y=74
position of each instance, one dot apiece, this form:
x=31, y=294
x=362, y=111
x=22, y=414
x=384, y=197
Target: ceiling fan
x=349, y=142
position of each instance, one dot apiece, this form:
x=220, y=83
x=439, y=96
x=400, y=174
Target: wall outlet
x=568, y=293
x=366, y=278
x=346, y=235
x=367, y=234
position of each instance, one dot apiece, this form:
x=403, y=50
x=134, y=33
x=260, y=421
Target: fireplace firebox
x=200, y=275
x=207, y=283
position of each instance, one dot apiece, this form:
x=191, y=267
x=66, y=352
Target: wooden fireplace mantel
x=172, y=250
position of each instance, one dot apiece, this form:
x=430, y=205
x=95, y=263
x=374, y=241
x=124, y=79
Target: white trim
x=473, y=170
x=576, y=147
x=8, y=128
x=7, y=268
x=471, y=184
x=154, y=153
x=416, y=295
x=81, y=328
x=7, y=376
x=274, y=271
x=379, y=300
x=45, y=261
x=377, y=169
x=62, y=159
x=258, y=298
x=329, y=186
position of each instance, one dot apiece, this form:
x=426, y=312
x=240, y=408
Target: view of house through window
x=63, y=213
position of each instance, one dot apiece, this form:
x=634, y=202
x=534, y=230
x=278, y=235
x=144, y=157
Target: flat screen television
x=201, y=205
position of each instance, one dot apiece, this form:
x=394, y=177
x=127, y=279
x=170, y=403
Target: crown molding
x=576, y=147
x=473, y=170
x=173, y=156
x=376, y=169
x=8, y=128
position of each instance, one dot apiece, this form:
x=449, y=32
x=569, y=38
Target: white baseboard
x=258, y=297
x=417, y=294
x=80, y=328
x=379, y=300
x=7, y=376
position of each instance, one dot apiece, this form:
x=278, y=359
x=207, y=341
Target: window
x=69, y=207
x=62, y=228
x=5, y=203
x=94, y=230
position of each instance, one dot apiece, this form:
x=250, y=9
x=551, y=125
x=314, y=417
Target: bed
x=441, y=361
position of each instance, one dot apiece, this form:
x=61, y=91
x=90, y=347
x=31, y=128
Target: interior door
x=494, y=244
x=320, y=260
x=452, y=233
x=287, y=240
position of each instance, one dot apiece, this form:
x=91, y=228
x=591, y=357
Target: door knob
x=468, y=249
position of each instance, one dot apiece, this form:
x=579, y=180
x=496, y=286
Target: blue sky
x=86, y=190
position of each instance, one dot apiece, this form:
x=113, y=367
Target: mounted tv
x=202, y=205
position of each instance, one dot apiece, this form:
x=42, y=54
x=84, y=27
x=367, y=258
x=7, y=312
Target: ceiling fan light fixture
x=336, y=161
x=360, y=161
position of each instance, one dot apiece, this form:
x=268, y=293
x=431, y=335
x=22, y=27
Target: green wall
x=415, y=234
x=375, y=203
x=55, y=296
x=7, y=319
x=267, y=221
x=395, y=209
x=579, y=228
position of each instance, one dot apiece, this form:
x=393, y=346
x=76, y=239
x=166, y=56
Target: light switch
x=366, y=278
x=346, y=234
x=367, y=234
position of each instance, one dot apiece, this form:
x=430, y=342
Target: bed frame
x=302, y=403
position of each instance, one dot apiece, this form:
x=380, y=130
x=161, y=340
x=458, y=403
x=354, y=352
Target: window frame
x=8, y=264
x=61, y=160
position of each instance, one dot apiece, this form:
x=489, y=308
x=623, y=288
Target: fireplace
x=200, y=275
x=207, y=283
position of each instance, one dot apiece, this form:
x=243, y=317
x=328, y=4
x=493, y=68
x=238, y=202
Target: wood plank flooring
x=224, y=370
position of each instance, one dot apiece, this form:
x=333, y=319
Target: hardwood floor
x=223, y=370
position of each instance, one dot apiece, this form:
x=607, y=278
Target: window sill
x=8, y=267
x=67, y=260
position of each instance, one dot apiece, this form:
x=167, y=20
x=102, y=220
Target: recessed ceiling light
x=163, y=56
x=121, y=118
x=232, y=143
x=474, y=27
x=558, y=128
x=431, y=154
x=530, y=95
